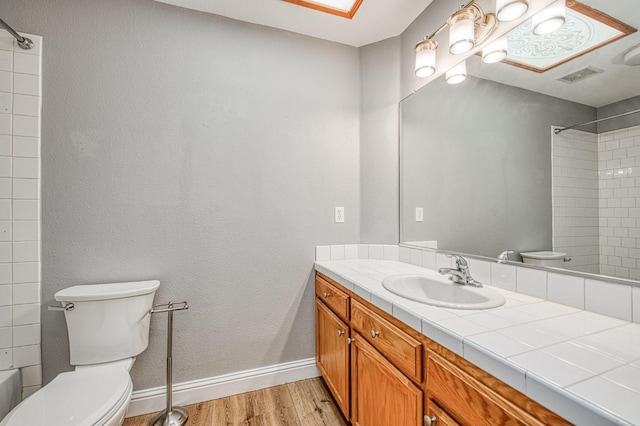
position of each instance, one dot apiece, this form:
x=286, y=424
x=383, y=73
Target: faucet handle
x=461, y=262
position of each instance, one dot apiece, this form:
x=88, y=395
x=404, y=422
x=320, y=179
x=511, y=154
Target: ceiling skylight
x=344, y=8
x=584, y=30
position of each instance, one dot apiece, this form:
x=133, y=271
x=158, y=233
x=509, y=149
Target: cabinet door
x=438, y=417
x=380, y=394
x=332, y=354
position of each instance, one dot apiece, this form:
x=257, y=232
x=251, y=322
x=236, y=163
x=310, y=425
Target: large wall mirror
x=482, y=170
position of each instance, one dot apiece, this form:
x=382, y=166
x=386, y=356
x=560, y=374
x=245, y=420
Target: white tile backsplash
x=376, y=251
x=391, y=252
x=26, y=84
x=26, y=147
x=25, y=356
x=26, y=272
x=26, y=251
x=20, y=110
x=26, y=126
x=6, y=103
x=6, y=41
x=503, y=276
x=26, y=168
x=26, y=105
x=5, y=124
x=609, y=299
x=6, y=81
x=26, y=210
x=635, y=295
x=6, y=60
x=323, y=253
x=532, y=282
x=351, y=251
x=5, y=252
x=337, y=252
x=25, y=335
x=26, y=293
x=566, y=289
x=26, y=64
x=429, y=259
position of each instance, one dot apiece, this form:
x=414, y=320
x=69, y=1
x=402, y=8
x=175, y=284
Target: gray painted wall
x=477, y=158
x=380, y=82
x=201, y=151
x=610, y=110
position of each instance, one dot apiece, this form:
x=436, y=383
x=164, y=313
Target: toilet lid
x=78, y=398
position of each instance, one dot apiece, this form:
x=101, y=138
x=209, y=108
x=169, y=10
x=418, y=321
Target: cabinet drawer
x=333, y=297
x=402, y=350
x=467, y=400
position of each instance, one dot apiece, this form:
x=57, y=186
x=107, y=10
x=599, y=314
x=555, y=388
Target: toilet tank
x=108, y=322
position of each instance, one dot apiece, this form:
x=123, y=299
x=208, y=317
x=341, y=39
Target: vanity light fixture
x=462, y=31
x=468, y=27
x=495, y=51
x=457, y=74
x=550, y=19
x=426, y=57
x=508, y=10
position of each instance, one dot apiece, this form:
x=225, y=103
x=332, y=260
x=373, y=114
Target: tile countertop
x=582, y=365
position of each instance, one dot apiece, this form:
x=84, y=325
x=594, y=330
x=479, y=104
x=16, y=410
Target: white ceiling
x=375, y=20
x=618, y=82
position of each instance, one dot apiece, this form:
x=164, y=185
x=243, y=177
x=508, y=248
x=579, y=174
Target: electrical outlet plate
x=339, y=215
x=419, y=214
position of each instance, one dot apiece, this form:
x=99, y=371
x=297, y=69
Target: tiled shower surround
x=597, y=200
x=20, y=106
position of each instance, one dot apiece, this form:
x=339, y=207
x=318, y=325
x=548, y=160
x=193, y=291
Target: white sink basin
x=439, y=291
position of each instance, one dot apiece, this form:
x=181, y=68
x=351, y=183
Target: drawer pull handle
x=374, y=334
x=340, y=333
x=325, y=295
x=350, y=340
x=430, y=421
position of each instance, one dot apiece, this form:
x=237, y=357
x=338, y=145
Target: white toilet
x=108, y=326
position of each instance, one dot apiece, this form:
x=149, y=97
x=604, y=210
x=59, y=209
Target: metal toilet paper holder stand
x=172, y=416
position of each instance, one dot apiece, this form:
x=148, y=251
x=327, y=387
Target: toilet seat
x=85, y=397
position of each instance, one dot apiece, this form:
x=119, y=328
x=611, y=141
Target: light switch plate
x=339, y=215
x=419, y=214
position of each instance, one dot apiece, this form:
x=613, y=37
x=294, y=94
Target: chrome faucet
x=460, y=274
x=504, y=256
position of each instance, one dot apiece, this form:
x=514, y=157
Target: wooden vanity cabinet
x=332, y=354
x=383, y=373
x=459, y=393
x=381, y=394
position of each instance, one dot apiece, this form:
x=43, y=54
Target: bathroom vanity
x=393, y=361
x=382, y=372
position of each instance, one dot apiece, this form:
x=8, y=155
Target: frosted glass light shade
x=496, y=51
x=550, y=19
x=426, y=58
x=462, y=35
x=508, y=10
x=457, y=74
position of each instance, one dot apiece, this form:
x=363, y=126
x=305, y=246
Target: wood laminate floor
x=303, y=403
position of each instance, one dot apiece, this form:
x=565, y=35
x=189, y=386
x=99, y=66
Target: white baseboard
x=154, y=399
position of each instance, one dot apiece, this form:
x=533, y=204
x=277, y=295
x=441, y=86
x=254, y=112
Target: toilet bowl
x=94, y=396
x=108, y=326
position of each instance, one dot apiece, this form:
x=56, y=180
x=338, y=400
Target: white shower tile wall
x=607, y=298
x=20, y=277
x=619, y=169
x=575, y=199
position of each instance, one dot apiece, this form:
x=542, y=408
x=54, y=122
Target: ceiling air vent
x=577, y=76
